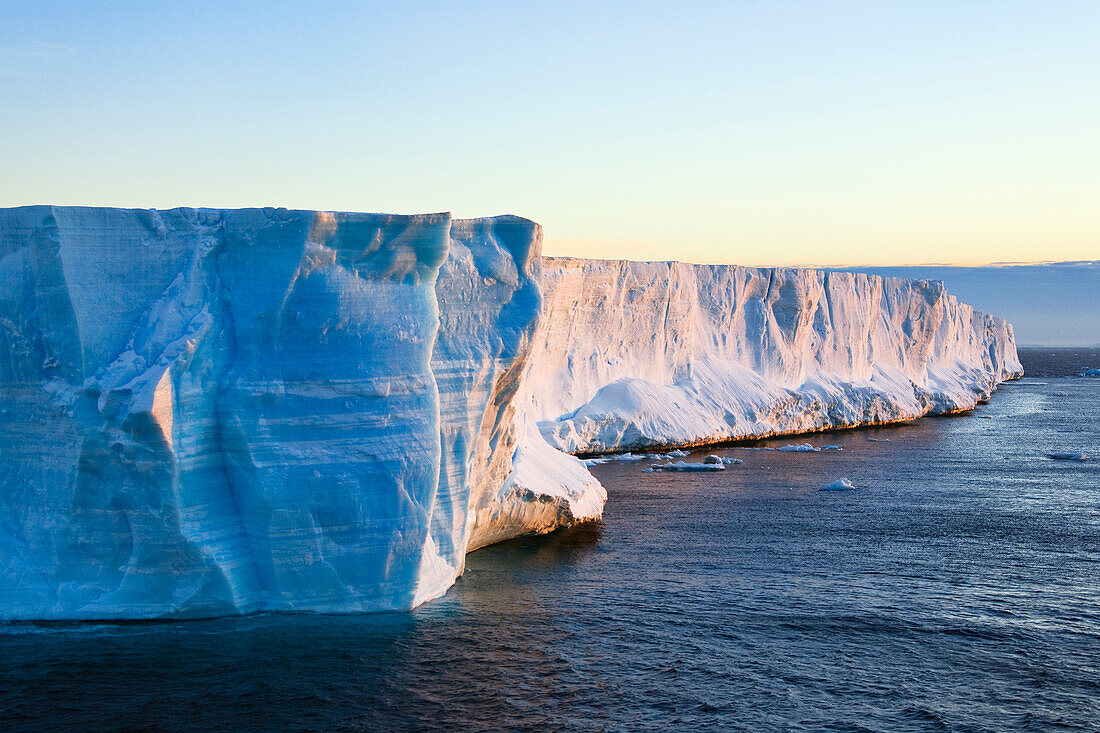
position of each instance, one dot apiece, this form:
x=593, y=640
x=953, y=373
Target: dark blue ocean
x=956, y=588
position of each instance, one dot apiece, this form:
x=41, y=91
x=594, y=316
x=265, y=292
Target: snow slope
x=207, y=412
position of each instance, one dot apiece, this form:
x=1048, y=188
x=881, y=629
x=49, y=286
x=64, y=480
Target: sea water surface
x=957, y=587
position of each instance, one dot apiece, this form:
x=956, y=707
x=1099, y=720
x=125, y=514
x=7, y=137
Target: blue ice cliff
x=207, y=412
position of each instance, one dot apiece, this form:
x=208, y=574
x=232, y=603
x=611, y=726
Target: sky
x=759, y=133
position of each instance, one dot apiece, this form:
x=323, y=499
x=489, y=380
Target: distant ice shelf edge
x=208, y=412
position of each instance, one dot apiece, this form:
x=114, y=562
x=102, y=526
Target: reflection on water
x=957, y=587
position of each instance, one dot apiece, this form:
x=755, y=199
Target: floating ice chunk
x=878, y=440
x=798, y=448
x=1059, y=394
x=677, y=454
x=1068, y=456
x=689, y=467
x=832, y=447
x=613, y=458
x=624, y=458
x=723, y=461
x=1090, y=373
x=838, y=485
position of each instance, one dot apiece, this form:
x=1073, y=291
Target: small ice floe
x=720, y=460
x=798, y=448
x=1059, y=394
x=688, y=467
x=614, y=458
x=878, y=440
x=1068, y=456
x=832, y=447
x=1090, y=373
x=838, y=485
x=677, y=454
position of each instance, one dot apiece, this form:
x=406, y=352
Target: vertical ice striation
x=207, y=412
x=210, y=412
x=489, y=302
x=499, y=478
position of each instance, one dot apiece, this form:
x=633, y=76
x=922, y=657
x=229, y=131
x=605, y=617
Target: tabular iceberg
x=208, y=412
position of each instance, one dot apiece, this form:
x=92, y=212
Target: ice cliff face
x=637, y=354
x=206, y=412
x=498, y=478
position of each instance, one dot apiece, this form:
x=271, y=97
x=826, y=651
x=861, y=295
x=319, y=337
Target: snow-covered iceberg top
x=207, y=411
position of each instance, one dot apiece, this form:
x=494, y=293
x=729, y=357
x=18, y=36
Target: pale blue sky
x=752, y=132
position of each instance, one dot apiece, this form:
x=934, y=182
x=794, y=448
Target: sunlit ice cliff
x=208, y=412
x=640, y=354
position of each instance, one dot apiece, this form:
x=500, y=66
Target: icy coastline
x=207, y=412
x=636, y=355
